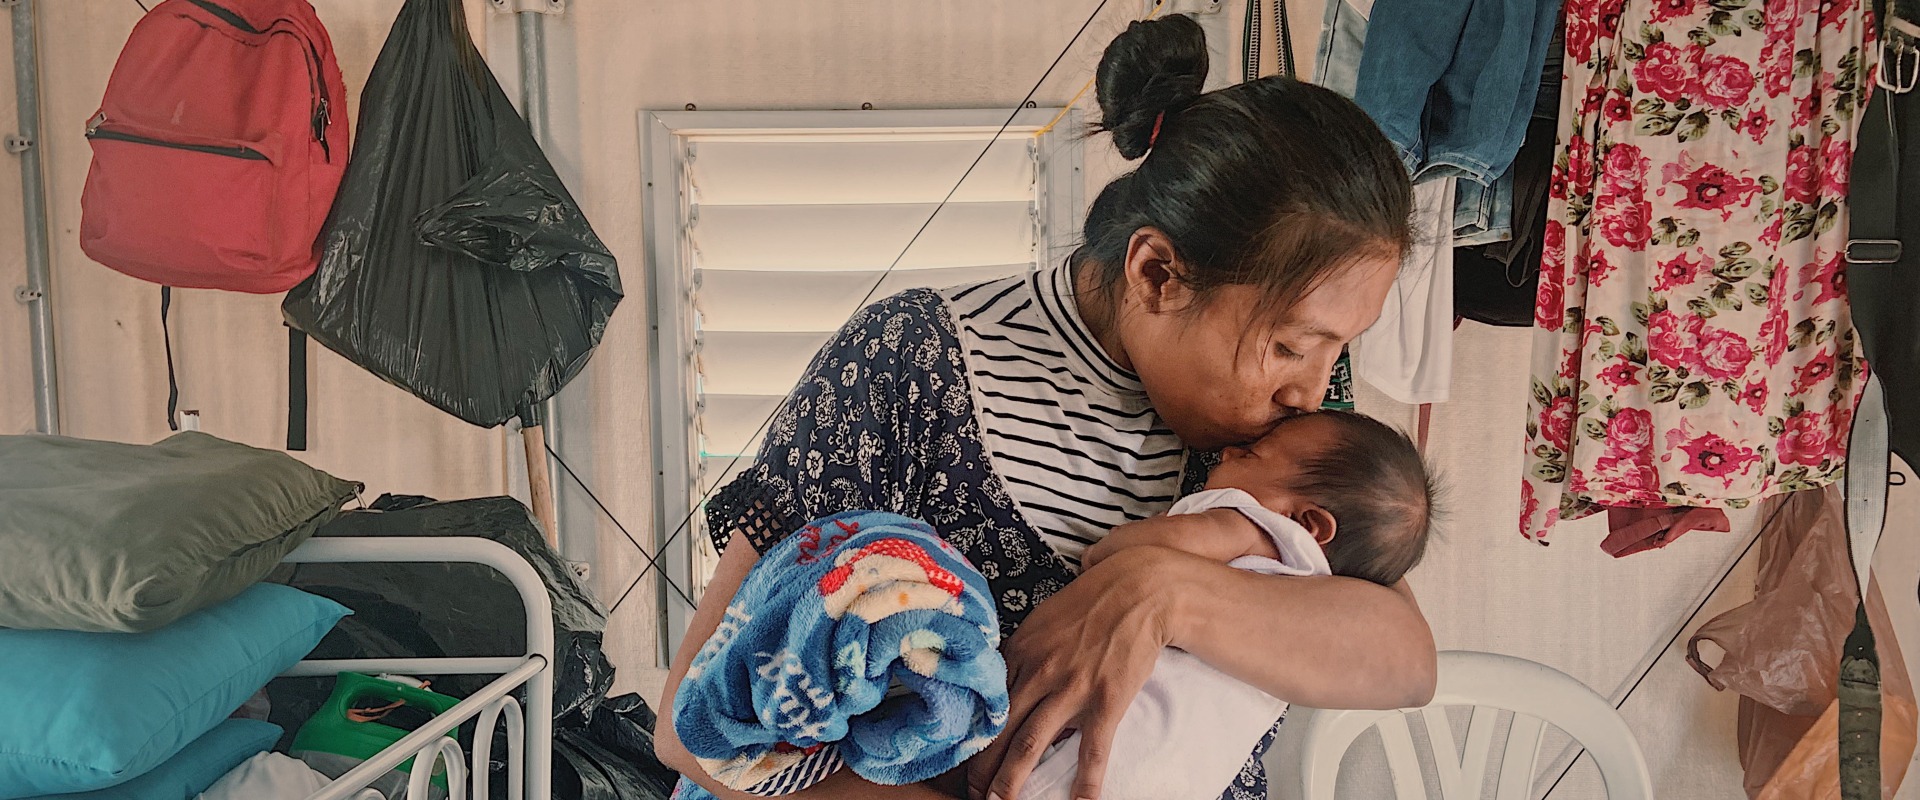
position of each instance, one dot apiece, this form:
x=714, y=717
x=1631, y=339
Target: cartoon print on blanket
x=863, y=641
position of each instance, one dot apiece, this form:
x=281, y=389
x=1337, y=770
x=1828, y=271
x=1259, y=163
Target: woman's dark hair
x=1272, y=183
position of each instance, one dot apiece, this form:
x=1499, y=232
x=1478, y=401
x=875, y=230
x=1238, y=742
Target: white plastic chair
x=1537, y=695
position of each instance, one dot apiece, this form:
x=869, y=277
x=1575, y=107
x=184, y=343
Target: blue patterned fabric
x=884, y=419
x=796, y=678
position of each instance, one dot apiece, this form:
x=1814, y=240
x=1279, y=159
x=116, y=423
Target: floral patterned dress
x=1693, y=344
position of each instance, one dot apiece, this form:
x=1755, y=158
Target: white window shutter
x=793, y=231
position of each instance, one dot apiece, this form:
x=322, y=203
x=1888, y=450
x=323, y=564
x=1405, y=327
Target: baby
x=1358, y=489
x=1329, y=493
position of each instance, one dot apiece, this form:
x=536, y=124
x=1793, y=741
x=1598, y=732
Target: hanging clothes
x=1637, y=530
x=1496, y=283
x=1408, y=353
x=1339, y=395
x=1395, y=355
x=1453, y=93
x=1693, y=345
x=1455, y=88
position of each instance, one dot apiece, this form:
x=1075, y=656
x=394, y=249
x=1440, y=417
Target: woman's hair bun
x=1157, y=66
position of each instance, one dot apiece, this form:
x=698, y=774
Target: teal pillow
x=87, y=711
x=204, y=762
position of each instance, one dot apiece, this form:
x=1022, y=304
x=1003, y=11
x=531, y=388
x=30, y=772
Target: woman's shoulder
x=909, y=335
x=922, y=307
x=936, y=308
x=969, y=301
x=912, y=319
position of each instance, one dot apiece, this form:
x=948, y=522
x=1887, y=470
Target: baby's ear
x=1319, y=522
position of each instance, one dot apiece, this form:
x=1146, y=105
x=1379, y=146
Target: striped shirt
x=1068, y=431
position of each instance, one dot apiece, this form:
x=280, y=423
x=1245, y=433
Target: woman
x=1026, y=417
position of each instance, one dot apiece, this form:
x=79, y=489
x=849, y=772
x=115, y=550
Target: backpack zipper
x=94, y=131
x=322, y=115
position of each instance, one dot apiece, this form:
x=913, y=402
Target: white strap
x=1868, y=463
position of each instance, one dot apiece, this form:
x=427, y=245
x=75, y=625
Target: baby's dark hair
x=1381, y=493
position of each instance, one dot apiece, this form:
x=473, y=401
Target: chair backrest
x=1537, y=695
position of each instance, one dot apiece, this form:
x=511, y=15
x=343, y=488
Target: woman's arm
x=1219, y=534
x=1083, y=654
x=1325, y=642
x=727, y=577
x=1368, y=646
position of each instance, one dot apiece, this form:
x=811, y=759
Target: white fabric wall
x=1483, y=587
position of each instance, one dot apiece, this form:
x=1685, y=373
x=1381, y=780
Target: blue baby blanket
x=861, y=640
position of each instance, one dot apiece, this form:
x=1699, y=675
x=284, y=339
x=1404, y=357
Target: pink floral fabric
x=1693, y=345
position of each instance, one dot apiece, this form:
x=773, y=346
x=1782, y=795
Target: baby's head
x=1359, y=486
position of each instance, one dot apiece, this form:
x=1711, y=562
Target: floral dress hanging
x=1693, y=345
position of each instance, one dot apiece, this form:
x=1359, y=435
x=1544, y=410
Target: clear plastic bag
x=1810, y=769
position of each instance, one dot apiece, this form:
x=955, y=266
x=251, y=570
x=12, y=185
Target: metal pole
x=533, y=72
x=533, y=106
x=37, y=294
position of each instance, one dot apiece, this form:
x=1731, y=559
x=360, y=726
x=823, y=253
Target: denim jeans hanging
x=1453, y=93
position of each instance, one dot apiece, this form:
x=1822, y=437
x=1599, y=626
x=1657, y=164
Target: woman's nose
x=1303, y=392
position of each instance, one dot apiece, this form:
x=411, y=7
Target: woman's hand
x=1076, y=663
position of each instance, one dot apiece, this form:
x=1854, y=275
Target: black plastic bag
x=455, y=264
x=612, y=758
x=446, y=609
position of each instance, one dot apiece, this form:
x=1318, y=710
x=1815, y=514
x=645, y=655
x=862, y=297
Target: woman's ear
x=1319, y=522
x=1155, y=278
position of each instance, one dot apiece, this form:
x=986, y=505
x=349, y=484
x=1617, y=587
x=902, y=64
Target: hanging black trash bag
x=455, y=264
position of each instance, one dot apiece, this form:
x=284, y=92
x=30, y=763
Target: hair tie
x=1154, y=137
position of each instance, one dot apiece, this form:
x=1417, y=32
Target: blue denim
x=1483, y=214
x=1454, y=93
x=1455, y=90
x=1343, y=37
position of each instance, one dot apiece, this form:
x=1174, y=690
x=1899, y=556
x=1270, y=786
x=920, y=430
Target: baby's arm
x=1220, y=534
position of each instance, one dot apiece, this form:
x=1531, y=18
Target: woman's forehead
x=1343, y=305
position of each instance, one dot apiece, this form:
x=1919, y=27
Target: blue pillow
x=205, y=761
x=86, y=711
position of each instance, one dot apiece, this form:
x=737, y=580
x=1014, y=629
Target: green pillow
x=103, y=536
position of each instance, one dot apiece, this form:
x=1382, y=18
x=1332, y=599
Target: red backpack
x=218, y=147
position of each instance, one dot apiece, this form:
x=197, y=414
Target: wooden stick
x=540, y=482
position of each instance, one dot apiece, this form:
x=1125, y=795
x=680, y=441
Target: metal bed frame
x=529, y=735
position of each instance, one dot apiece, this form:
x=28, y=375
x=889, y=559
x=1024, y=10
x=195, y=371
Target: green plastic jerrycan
x=334, y=730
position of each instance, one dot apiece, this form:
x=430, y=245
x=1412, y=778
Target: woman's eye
x=1288, y=352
